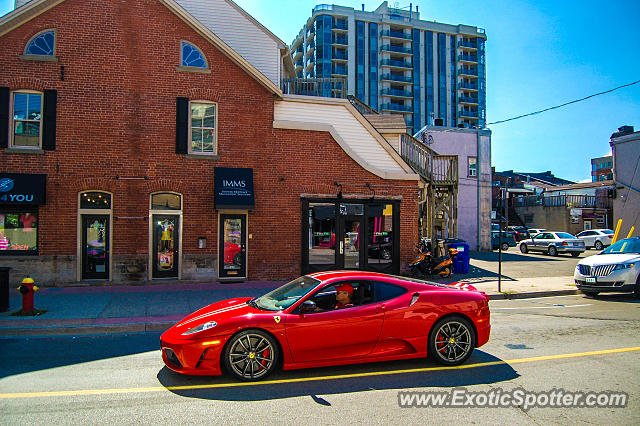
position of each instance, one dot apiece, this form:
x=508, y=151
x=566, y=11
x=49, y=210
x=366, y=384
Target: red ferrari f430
x=330, y=318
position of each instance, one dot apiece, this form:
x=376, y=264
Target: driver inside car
x=344, y=295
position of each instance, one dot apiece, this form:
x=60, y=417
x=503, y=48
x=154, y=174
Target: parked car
x=520, y=232
x=596, y=238
x=508, y=240
x=553, y=243
x=615, y=269
x=535, y=231
x=382, y=246
x=294, y=326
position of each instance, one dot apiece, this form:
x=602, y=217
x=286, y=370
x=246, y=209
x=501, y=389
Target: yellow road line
x=310, y=379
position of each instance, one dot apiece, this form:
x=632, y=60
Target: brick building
x=136, y=145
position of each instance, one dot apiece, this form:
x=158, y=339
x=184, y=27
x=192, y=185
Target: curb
x=533, y=294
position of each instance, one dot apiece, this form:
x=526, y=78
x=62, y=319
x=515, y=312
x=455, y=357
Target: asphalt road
x=537, y=344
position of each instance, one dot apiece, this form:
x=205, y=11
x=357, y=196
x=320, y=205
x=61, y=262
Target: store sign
x=22, y=188
x=234, y=188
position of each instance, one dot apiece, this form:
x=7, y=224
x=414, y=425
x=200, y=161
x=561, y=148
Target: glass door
x=351, y=242
x=232, y=252
x=166, y=240
x=95, y=247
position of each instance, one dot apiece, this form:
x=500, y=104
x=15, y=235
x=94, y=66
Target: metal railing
x=396, y=63
x=468, y=100
x=437, y=169
x=467, y=113
x=339, y=40
x=468, y=58
x=585, y=201
x=340, y=55
x=468, y=71
x=395, y=77
x=325, y=87
x=397, y=92
x=340, y=25
x=361, y=106
x=467, y=86
x=396, y=34
x=393, y=48
x=467, y=44
x=340, y=70
x=396, y=107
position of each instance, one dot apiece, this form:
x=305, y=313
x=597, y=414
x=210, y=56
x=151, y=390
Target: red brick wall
x=116, y=116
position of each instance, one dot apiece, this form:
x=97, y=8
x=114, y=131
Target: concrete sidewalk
x=129, y=309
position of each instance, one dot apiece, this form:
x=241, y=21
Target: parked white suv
x=596, y=238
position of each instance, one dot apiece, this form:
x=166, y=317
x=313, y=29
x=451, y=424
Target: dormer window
x=42, y=44
x=191, y=56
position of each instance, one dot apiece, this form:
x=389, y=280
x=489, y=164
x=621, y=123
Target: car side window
x=326, y=298
x=386, y=291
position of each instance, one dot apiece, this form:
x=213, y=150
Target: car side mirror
x=308, y=306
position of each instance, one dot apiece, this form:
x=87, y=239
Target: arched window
x=191, y=56
x=42, y=44
x=166, y=201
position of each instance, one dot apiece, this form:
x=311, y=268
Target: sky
x=539, y=53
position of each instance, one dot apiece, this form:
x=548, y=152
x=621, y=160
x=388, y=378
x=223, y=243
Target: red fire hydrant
x=27, y=288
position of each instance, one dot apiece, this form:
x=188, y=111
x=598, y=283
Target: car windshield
x=565, y=235
x=285, y=296
x=626, y=246
x=607, y=231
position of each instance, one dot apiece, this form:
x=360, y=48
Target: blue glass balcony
x=396, y=34
x=395, y=77
x=397, y=107
x=396, y=63
x=397, y=92
x=396, y=49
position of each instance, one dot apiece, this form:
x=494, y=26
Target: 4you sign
x=22, y=188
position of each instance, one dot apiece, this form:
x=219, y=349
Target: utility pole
x=500, y=244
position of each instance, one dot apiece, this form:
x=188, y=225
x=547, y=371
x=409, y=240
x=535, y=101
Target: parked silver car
x=553, y=243
x=596, y=238
x=616, y=269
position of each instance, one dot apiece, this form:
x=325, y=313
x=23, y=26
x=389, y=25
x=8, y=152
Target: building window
x=360, y=54
x=166, y=201
x=42, y=44
x=203, y=125
x=191, y=56
x=18, y=231
x=27, y=120
x=473, y=166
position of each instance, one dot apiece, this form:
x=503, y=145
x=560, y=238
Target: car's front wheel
x=523, y=248
x=598, y=245
x=552, y=251
x=251, y=355
x=636, y=290
x=451, y=340
x=505, y=246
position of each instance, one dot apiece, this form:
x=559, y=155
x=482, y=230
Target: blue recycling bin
x=461, y=261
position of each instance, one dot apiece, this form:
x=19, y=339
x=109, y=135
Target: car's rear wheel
x=251, y=355
x=591, y=293
x=552, y=251
x=598, y=245
x=575, y=253
x=505, y=246
x=451, y=340
x=523, y=248
x=636, y=290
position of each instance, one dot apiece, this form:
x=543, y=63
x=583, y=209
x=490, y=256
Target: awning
x=234, y=188
x=22, y=188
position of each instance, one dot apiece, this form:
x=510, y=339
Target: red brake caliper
x=265, y=354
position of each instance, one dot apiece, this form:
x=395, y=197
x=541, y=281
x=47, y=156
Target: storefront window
x=380, y=238
x=322, y=233
x=352, y=209
x=19, y=231
x=95, y=200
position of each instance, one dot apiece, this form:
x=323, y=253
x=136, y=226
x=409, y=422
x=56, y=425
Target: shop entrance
x=354, y=234
x=95, y=247
x=166, y=239
x=232, y=250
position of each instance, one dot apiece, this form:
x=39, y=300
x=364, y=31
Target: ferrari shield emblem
x=276, y=318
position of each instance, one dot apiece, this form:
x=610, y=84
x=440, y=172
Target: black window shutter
x=4, y=117
x=182, y=124
x=49, y=120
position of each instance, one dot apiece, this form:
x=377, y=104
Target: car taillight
x=610, y=236
x=564, y=243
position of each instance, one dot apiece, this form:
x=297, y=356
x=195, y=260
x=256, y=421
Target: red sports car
x=330, y=318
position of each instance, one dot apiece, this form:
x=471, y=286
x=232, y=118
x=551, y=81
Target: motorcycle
x=426, y=264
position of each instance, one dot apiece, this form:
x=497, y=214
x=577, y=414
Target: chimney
x=363, y=7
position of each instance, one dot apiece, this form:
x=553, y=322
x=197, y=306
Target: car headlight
x=623, y=266
x=201, y=327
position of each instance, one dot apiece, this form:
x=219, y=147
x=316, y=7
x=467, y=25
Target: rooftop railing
x=584, y=201
x=325, y=87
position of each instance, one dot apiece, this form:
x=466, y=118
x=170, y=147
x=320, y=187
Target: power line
x=565, y=104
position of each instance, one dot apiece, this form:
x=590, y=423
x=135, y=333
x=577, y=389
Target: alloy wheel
x=452, y=341
x=598, y=245
x=251, y=355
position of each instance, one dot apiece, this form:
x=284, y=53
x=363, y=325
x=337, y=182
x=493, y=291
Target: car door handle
x=380, y=308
